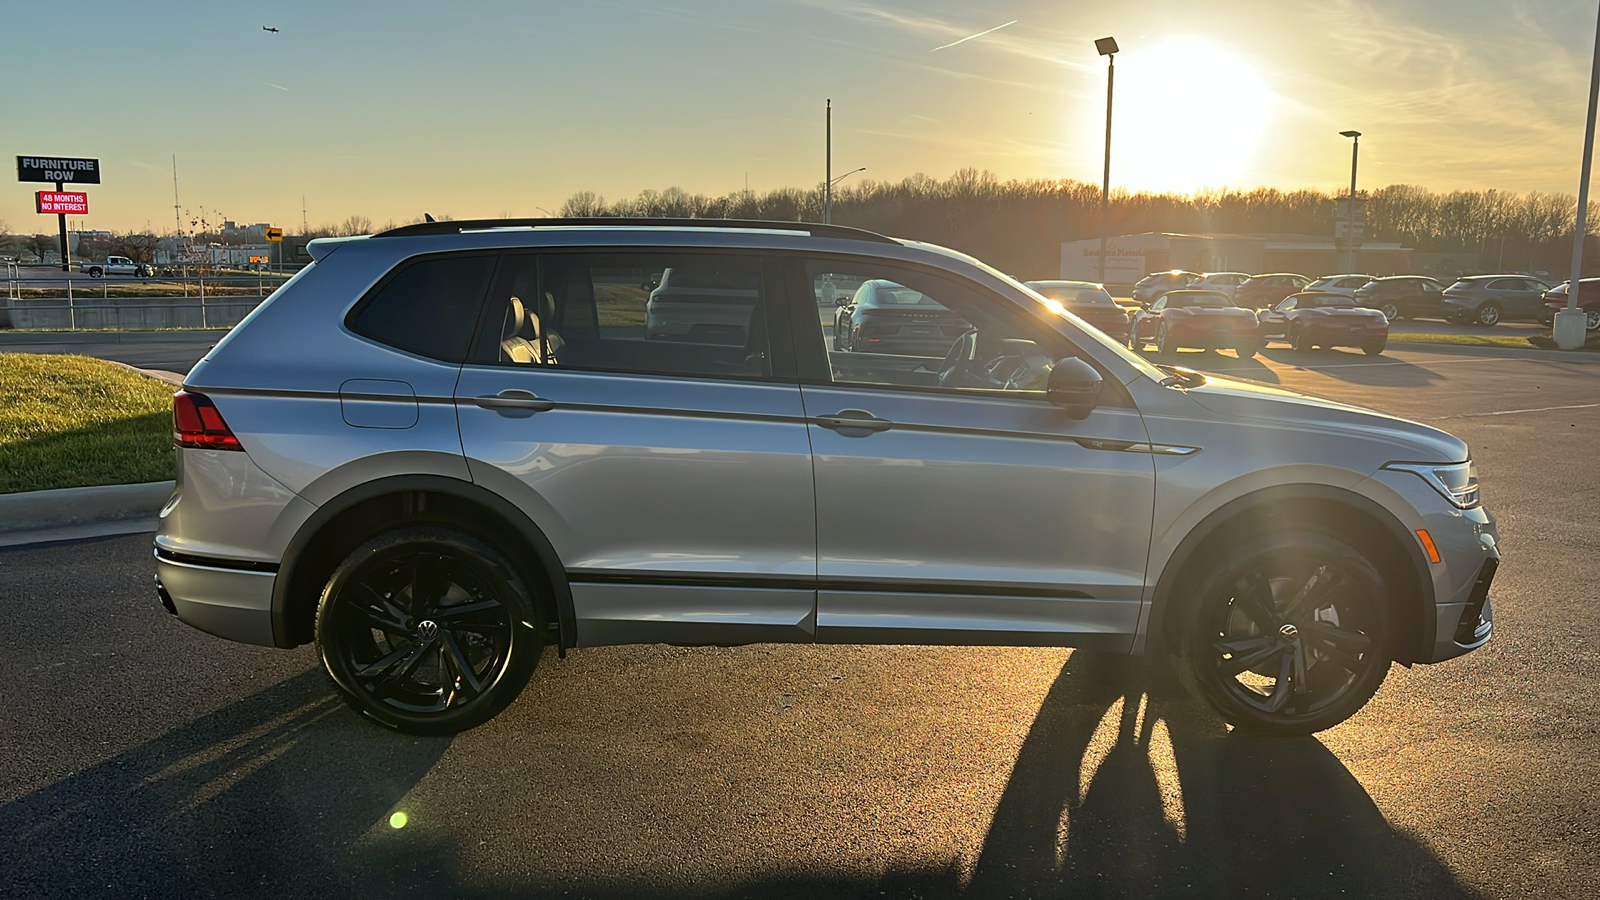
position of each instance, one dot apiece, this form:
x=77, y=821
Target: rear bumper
x=211, y=595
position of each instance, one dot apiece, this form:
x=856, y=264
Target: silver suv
x=438, y=450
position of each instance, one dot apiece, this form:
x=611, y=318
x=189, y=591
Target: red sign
x=71, y=202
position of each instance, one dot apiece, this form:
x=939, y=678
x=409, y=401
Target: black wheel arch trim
x=1155, y=629
x=554, y=572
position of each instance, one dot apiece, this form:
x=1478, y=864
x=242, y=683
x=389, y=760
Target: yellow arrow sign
x=274, y=234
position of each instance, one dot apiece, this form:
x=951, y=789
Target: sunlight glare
x=1188, y=115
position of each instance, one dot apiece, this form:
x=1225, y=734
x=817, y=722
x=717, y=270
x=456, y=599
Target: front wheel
x=1289, y=634
x=1488, y=315
x=94, y=273
x=1164, y=342
x=1591, y=320
x=1299, y=341
x=1390, y=311
x=427, y=630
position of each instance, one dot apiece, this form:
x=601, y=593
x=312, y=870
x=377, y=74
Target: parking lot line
x=1511, y=412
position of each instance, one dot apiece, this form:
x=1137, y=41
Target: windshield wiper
x=1178, y=376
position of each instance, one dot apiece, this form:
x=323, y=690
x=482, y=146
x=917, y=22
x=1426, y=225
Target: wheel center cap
x=1288, y=630
x=427, y=629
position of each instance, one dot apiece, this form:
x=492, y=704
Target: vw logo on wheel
x=427, y=630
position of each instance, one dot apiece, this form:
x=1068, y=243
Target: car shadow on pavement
x=269, y=794
x=1227, y=364
x=1127, y=787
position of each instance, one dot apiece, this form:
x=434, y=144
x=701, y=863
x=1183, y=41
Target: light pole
x=1107, y=47
x=827, y=187
x=1350, y=236
x=1568, y=327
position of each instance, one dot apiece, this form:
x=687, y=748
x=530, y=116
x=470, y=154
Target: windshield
x=1076, y=295
x=1197, y=300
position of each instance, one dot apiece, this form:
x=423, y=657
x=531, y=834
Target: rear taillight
x=197, y=423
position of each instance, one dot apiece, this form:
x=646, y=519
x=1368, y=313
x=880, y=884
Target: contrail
x=282, y=88
x=978, y=35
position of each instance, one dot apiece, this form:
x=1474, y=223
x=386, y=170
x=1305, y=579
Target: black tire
x=1374, y=349
x=94, y=273
x=1488, y=315
x=1390, y=311
x=1299, y=341
x=1247, y=351
x=454, y=660
x=1164, y=342
x=1300, y=609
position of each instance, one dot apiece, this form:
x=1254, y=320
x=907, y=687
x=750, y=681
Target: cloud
x=271, y=85
x=1032, y=45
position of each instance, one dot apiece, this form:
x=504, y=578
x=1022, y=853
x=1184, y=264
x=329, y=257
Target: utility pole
x=1350, y=235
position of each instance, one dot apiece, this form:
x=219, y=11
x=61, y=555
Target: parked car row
x=1209, y=320
x=1483, y=300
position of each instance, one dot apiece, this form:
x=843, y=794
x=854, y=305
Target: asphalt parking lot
x=148, y=759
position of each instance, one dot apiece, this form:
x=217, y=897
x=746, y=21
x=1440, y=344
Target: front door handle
x=854, y=420
x=515, y=399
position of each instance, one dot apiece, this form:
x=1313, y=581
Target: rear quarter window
x=428, y=307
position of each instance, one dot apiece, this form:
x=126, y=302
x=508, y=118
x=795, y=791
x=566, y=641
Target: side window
x=1428, y=287
x=1160, y=304
x=1289, y=304
x=661, y=313
x=428, y=307
x=924, y=330
x=1504, y=284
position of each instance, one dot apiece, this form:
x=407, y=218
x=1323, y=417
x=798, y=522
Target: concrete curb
x=70, y=513
x=194, y=336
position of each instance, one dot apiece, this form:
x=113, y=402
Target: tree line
x=1019, y=225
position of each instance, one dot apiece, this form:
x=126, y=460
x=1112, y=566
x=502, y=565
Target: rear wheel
x=1374, y=349
x=1591, y=319
x=1488, y=314
x=1289, y=634
x=427, y=630
x=1390, y=311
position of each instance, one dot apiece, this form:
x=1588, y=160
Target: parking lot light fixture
x=1107, y=47
x=1568, y=327
x=1350, y=237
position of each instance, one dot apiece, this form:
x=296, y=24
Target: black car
x=1486, y=299
x=1089, y=302
x=1403, y=297
x=1267, y=291
x=885, y=317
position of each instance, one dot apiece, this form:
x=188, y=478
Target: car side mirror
x=1074, y=386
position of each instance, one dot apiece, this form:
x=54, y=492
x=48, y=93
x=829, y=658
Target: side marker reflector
x=1427, y=544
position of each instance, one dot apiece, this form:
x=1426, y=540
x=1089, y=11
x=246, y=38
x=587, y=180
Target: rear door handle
x=515, y=399
x=854, y=420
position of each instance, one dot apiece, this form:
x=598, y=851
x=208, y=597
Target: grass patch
x=72, y=421
x=1536, y=341
x=1463, y=340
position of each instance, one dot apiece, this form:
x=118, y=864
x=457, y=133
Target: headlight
x=1458, y=482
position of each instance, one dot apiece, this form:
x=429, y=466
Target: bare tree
x=355, y=225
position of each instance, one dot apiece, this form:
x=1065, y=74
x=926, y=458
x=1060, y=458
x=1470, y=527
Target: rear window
x=1077, y=296
x=429, y=307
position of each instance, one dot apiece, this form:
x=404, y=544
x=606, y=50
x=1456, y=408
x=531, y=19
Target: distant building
x=1130, y=257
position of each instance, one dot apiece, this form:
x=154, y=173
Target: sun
x=1188, y=114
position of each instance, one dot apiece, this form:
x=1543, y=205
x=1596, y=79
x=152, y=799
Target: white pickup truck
x=114, y=265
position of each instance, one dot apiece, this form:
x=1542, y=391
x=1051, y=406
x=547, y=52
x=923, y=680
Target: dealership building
x=1130, y=257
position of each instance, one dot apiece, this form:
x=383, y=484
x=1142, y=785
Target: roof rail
x=815, y=229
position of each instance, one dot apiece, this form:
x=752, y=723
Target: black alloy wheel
x=1165, y=345
x=427, y=630
x=1290, y=635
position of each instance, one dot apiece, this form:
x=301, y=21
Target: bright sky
x=490, y=107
